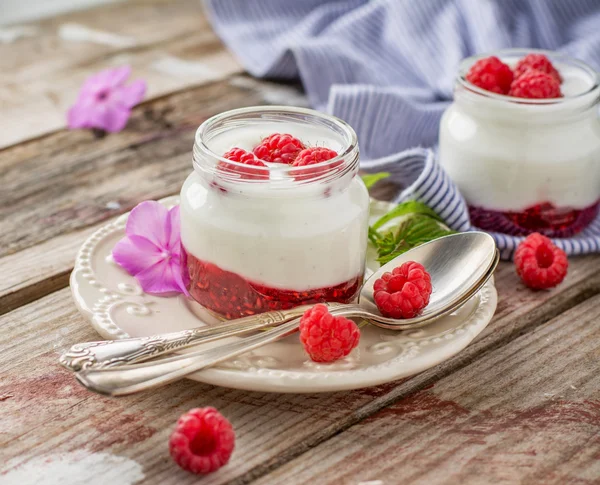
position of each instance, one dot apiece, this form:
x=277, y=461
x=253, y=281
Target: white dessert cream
x=260, y=245
x=510, y=155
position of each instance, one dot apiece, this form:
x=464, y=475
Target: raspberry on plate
x=491, y=74
x=535, y=85
x=203, y=440
x=537, y=62
x=404, y=292
x=540, y=264
x=327, y=338
x=242, y=156
x=279, y=148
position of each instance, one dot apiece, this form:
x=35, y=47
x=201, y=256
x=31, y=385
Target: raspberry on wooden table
x=404, y=292
x=203, y=440
x=535, y=85
x=279, y=148
x=242, y=156
x=491, y=74
x=537, y=62
x=539, y=263
x=327, y=338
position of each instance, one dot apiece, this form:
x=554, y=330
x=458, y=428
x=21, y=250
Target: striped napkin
x=387, y=67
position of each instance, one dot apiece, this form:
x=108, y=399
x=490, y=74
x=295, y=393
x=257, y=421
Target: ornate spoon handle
x=113, y=353
x=129, y=379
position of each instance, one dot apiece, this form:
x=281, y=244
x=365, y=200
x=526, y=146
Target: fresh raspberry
x=540, y=264
x=537, y=62
x=404, y=292
x=327, y=338
x=312, y=156
x=242, y=156
x=279, y=148
x=535, y=85
x=203, y=440
x=491, y=74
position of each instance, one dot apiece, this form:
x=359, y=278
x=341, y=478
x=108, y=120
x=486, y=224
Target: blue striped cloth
x=387, y=67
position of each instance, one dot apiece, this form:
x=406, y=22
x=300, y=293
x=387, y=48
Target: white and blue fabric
x=387, y=67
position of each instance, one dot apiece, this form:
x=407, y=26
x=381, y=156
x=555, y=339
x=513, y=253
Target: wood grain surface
x=169, y=43
x=59, y=188
x=527, y=412
x=521, y=404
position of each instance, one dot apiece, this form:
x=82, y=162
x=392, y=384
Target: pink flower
x=151, y=250
x=105, y=101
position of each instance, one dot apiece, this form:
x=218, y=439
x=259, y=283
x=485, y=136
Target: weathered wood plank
x=528, y=412
x=71, y=180
x=60, y=188
x=63, y=417
x=272, y=429
x=38, y=271
x=168, y=43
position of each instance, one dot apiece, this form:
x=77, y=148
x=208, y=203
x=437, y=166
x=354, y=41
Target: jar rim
x=519, y=52
x=275, y=112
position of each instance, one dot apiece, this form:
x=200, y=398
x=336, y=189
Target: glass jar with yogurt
x=283, y=236
x=526, y=165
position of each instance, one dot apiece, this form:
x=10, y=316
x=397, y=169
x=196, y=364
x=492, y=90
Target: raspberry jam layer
x=233, y=296
x=544, y=218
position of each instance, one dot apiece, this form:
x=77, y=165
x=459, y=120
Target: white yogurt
x=278, y=233
x=508, y=156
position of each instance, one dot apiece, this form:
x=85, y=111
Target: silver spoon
x=459, y=265
x=112, y=353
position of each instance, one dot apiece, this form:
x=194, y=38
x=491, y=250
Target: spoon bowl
x=459, y=265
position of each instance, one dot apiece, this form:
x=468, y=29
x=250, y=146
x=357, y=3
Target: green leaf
x=419, y=224
x=410, y=207
x=371, y=179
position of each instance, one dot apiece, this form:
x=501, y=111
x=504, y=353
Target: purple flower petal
x=77, y=117
x=150, y=219
x=182, y=277
x=174, y=243
x=130, y=95
x=117, y=77
x=105, y=102
x=107, y=78
x=135, y=254
x=115, y=119
x=163, y=277
x=86, y=114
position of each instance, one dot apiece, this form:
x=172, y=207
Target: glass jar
x=526, y=165
x=276, y=237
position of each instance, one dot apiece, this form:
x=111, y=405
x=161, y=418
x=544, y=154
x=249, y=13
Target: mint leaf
x=419, y=224
x=371, y=179
x=410, y=207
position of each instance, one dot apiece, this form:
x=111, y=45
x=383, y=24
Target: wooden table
x=519, y=405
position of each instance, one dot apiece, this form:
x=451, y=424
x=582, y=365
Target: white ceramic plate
x=118, y=308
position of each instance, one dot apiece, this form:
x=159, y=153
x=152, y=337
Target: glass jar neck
x=580, y=85
x=244, y=128
x=518, y=112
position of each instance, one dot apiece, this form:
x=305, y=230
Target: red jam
x=544, y=218
x=232, y=296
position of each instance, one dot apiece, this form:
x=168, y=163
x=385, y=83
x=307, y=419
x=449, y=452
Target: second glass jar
x=526, y=165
